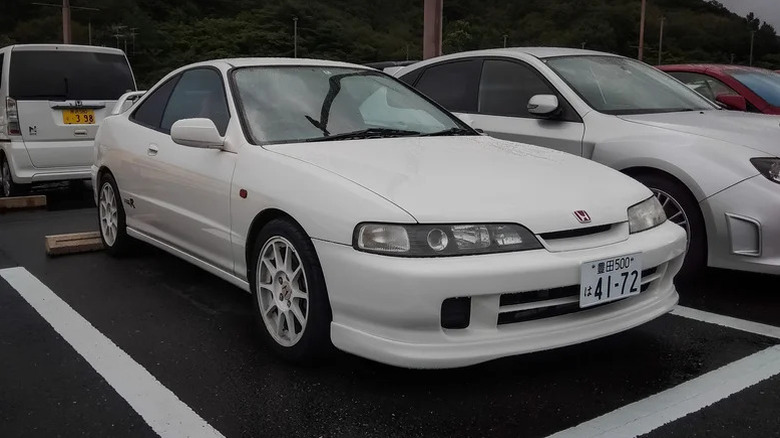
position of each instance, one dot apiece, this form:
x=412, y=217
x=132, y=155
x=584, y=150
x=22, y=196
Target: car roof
x=718, y=68
x=302, y=62
x=63, y=47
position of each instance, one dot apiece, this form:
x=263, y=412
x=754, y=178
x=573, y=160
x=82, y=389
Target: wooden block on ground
x=22, y=202
x=60, y=244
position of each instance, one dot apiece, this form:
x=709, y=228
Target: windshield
x=764, y=83
x=615, y=85
x=68, y=75
x=292, y=104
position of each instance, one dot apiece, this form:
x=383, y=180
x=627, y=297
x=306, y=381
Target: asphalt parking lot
x=195, y=335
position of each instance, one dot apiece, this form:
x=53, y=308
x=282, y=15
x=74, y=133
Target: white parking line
x=727, y=321
x=157, y=405
x=653, y=412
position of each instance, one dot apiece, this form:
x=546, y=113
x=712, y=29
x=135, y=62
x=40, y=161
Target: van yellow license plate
x=78, y=117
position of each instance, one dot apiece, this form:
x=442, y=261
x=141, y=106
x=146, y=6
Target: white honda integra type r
x=363, y=216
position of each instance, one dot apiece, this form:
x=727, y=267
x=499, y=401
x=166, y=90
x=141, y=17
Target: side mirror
x=732, y=101
x=544, y=105
x=197, y=133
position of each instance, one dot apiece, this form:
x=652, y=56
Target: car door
x=492, y=94
x=190, y=187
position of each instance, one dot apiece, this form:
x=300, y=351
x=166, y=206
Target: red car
x=736, y=87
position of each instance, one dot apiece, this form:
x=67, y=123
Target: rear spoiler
x=126, y=101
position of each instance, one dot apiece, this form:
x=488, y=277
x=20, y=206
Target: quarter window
x=150, y=112
x=453, y=85
x=506, y=87
x=199, y=94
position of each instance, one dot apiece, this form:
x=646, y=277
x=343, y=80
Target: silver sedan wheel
x=674, y=211
x=282, y=291
x=108, y=212
x=6, y=179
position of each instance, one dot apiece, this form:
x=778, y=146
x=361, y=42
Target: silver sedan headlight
x=645, y=215
x=769, y=167
x=442, y=240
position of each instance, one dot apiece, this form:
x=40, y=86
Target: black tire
x=314, y=341
x=120, y=245
x=696, y=257
x=8, y=187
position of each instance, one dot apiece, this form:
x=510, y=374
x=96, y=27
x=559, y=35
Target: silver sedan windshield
x=615, y=85
x=314, y=103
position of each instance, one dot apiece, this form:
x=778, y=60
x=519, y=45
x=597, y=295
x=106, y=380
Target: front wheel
x=291, y=301
x=111, y=214
x=682, y=209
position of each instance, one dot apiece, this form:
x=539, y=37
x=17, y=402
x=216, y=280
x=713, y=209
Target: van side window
x=199, y=94
x=453, y=84
x=150, y=112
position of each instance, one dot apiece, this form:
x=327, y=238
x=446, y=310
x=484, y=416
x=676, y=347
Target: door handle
x=152, y=150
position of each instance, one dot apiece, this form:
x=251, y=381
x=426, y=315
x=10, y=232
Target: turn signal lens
x=383, y=238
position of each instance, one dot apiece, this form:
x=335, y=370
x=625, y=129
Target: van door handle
x=152, y=150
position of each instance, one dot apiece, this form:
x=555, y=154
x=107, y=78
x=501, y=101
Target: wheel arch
x=260, y=220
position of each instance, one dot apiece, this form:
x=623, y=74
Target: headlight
x=769, y=167
x=442, y=240
x=645, y=215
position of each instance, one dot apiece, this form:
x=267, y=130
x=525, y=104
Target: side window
x=719, y=87
x=150, y=112
x=506, y=87
x=453, y=84
x=199, y=94
x=2, y=56
x=411, y=78
x=707, y=86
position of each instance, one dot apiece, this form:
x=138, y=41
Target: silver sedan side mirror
x=543, y=105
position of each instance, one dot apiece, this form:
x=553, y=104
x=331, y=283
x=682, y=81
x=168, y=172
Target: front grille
x=528, y=306
x=566, y=234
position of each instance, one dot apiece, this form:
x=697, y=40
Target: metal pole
x=661, y=40
x=432, y=18
x=642, y=30
x=505, y=36
x=752, y=38
x=66, y=22
x=89, y=28
x=583, y=44
x=295, y=37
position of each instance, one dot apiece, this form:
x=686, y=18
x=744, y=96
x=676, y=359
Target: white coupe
x=362, y=215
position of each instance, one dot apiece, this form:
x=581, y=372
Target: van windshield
x=68, y=75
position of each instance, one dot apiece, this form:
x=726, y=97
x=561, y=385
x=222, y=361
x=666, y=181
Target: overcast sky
x=766, y=10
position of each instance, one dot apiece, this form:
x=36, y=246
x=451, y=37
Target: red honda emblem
x=582, y=216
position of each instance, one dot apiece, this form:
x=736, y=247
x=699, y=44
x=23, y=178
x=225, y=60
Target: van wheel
x=9, y=187
x=111, y=216
x=291, y=301
x=682, y=209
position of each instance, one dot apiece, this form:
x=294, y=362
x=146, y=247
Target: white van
x=53, y=97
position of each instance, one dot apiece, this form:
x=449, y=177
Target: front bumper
x=743, y=226
x=389, y=309
x=24, y=172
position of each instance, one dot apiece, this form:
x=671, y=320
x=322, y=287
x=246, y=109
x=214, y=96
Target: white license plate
x=611, y=279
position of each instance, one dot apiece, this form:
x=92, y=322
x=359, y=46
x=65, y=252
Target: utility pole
x=505, y=37
x=661, y=41
x=752, y=39
x=133, y=33
x=432, y=19
x=66, y=7
x=295, y=37
x=642, y=30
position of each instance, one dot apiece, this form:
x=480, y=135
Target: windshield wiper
x=367, y=133
x=451, y=131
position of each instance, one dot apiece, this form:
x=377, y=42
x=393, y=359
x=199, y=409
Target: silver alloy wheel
x=674, y=211
x=282, y=291
x=108, y=213
x=6, y=179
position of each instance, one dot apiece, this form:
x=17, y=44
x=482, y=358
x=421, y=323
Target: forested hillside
x=172, y=33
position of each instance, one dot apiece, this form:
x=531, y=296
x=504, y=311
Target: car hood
x=756, y=131
x=473, y=179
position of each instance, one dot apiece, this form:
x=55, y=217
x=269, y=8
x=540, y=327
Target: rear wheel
x=682, y=209
x=111, y=214
x=9, y=187
x=291, y=302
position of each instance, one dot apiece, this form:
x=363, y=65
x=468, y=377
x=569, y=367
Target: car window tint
x=199, y=94
x=453, y=84
x=150, y=111
x=506, y=87
x=66, y=74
